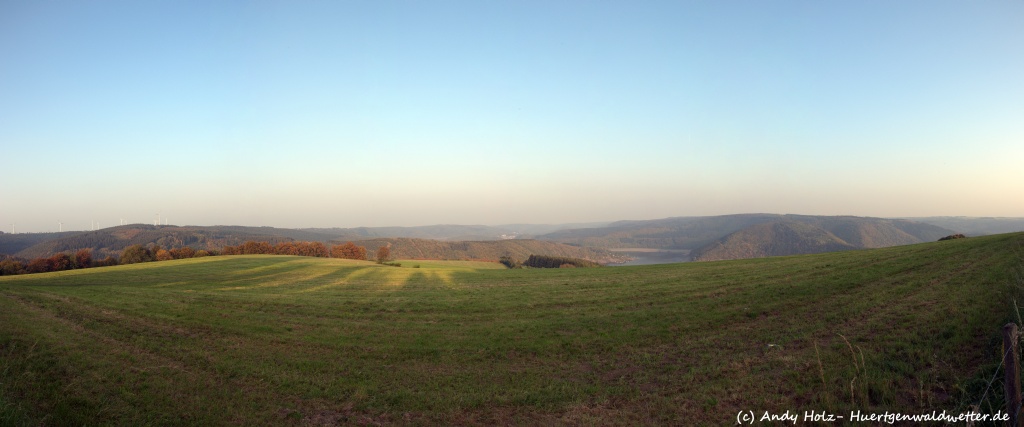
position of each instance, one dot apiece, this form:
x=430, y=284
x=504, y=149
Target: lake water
x=652, y=256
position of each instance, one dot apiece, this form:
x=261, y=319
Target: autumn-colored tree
x=83, y=258
x=349, y=251
x=164, y=255
x=256, y=248
x=136, y=254
x=183, y=253
x=303, y=249
x=318, y=249
x=201, y=253
x=10, y=267
x=286, y=248
x=61, y=262
x=38, y=265
x=383, y=254
x=106, y=262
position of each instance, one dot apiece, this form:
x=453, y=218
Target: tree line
x=58, y=262
x=314, y=249
x=149, y=253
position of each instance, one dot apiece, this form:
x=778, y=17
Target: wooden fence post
x=1011, y=381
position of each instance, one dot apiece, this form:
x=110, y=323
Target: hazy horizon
x=68, y=227
x=337, y=114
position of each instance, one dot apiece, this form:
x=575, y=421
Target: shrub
x=544, y=261
x=507, y=261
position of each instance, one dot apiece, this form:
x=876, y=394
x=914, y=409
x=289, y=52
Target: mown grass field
x=257, y=340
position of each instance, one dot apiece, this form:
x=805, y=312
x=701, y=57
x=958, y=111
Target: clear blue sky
x=301, y=113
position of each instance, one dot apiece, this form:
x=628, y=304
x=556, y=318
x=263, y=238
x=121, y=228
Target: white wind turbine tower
x=60, y=227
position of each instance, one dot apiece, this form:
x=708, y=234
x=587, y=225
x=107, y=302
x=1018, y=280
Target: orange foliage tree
x=163, y=255
x=61, y=262
x=349, y=251
x=83, y=258
x=183, y=252
x=383, y=254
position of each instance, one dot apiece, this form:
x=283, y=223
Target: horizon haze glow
x=345, y=114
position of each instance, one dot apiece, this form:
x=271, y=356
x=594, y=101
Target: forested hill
x=815, y=235
x=696, y=233
x=13, y=243
x=113, y=240
x=520, y=250
x=772, y=239
x=975, y=226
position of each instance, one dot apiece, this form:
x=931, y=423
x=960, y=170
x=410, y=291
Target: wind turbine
x=60, y=227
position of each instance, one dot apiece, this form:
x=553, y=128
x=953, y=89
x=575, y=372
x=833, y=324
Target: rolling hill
x=975, y=226
x=13, y=243
x=669, y=233
x=772, y=239
x=257, y=340
x=112, y=241
x=451, y=231
x=798, y=235
x=754, y=235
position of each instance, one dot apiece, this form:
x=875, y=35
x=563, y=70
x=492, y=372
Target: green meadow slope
x=271, y=340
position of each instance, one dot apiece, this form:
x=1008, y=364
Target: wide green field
x=256, y=340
